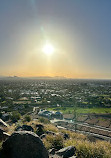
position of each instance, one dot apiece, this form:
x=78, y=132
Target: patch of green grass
x=70, y=110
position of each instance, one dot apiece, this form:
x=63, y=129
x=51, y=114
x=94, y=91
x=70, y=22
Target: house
x=50, y=114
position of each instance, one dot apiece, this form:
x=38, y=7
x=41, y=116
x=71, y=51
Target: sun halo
x=48, y=49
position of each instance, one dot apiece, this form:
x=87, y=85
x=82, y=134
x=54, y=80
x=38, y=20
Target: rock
x=3, y=135
x=40, y=132
x=40, y=129
x=24, y=128
x=1, y=130
x=3, y=124
x=52, y=151
x=23, y=144
x=19, y=128
x=27, y=128
x=66, y=136
x=66, y=152
x=42, y=136
x=39, y=126
x=50, y=132
x=54, y=156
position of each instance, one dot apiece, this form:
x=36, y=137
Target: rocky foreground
x=37, y=140
x=25, y=144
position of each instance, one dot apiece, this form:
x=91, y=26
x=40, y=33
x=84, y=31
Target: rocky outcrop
x=66, y=152
x=23, y=144
x=24, y=128
x=40, y=129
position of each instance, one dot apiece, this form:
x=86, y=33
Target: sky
x=78, y=30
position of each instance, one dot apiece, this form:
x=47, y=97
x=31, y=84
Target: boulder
x=50, y=132
x=40, y=129
x=23, y=144
x=27, y=128
x=52, y=151
x=24, y=128
x=42, y=136
x=66, y=136
x=3, y=135
x=3, y=124
x=19, y=128
x=66, y=152
x=39, y=126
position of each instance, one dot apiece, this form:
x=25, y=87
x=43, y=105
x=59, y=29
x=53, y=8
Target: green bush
x=43, y=120
x=53, y=142
x=15, y=116
x=27, y=118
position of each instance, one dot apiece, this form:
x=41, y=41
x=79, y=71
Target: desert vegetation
x=54, y=138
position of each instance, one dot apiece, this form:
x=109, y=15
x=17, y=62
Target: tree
x=15, y=116
x=75, y=113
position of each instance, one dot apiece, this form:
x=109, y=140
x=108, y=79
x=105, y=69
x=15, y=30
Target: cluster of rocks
x=64, y=152
x=24, y=143
x=3, y=127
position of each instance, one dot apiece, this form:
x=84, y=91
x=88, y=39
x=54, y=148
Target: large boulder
x=24, y=128
x=3, y=135
x=66, y=152
x=40, y=129
x=23, y=144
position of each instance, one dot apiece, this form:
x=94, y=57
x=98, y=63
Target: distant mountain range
x=44, y=78
x=38, y=77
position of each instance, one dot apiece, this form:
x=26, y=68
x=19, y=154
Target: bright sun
x=48, y=49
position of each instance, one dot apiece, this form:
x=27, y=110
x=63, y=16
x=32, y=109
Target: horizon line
x=61, y=77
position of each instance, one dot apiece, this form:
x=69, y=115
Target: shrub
x=15, y=116
x=51, y=127
x=27, y=118
x=53, y=142
x=43, y=120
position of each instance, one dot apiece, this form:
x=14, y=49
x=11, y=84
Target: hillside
x=54, y=139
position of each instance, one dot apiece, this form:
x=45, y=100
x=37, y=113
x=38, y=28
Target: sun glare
x=48, y=49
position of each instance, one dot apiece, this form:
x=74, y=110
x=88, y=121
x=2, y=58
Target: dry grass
x=74, y=135
x=53, y=142
x=50, y=127
x=85, y=148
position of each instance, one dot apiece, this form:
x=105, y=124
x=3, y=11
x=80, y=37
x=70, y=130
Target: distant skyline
x=78, y=30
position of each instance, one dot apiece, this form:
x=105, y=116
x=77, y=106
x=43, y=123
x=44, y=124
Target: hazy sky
x=79, y=30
